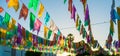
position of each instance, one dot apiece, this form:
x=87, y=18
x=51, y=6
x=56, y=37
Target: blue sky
x=99, y=11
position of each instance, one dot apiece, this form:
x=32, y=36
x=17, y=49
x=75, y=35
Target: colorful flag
x=6, y=18
x=11, y=25
x=49, y=34
x=47, y=18
x=118, y=29
x=23, y=12
x=3, y=33
x=65, y=1
x=77, y=21
x=84, y=4
x=19, y=34
x=87, y=18
x=111, y=27
x=81, y=31
x=23, y=32
x=84, y=33
x=41, y=10
x=70, y=6
x=45, y=31
x=53, y=27
x=37, y=25
x=1, y=9
x=34, y=4
x=118, y=11
x=1, y=20
x=73, y=12
x=14, y=4
x=32, y=20
x=7, y=1
x=114, y=15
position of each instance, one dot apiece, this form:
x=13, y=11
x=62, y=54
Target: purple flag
x=87, y=18
x=73, y=12
x=19, y=34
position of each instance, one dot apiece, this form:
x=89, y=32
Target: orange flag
x=23, y=12
x=1, y=9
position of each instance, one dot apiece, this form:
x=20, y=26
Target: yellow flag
x=11, y=25
x=41, y=10
x=14, y=4
x=3, y=33
x=62, y=42
x=77, y=21
x=45, y=31
x=30, y=37
x=118, y=29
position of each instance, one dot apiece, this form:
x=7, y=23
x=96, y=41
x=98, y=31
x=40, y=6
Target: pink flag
x=37, y=25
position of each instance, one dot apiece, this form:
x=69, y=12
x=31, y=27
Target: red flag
x=23, y=12
x=1, y=9
x=23, y=32
x=37, y=25
x=84, y=3
x=7, y=1
x=81, y=31
x=70, y=6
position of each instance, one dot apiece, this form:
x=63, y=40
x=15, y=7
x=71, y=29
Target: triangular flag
x=41, y=10
x=32, y=20
x=6, y=18
x=23, y=12
x=77, y=21
x=23, y=32
x=114, y=15
x=19, y=34
x=87, y=18
x=73, y=12
x=14, y=4
x=37, y=25
x=118, y=11
x=84, y=4
x=118, y=29
x=111, y=27
x=7, y=1
x=49, y=34
x=3, y=32
x=11, y=25
x=84, y=33
x=79, y=25
x=1, y=9
x=81, y=31
x=1, y=19
x=65, y=1
x=34, y=4
x=70, y=6
x=53, y=27
x=45, y=31
x=47, y=18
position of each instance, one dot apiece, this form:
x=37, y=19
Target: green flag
x=32, y=20
x=65, y=1
x=27, y=34
x=79, y=24
x=84, y=33
x=49, y=33
x=6, y=18
x=34, y=4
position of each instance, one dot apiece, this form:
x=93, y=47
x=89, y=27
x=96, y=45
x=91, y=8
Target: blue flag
x=1, y=20
x=47, y=18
